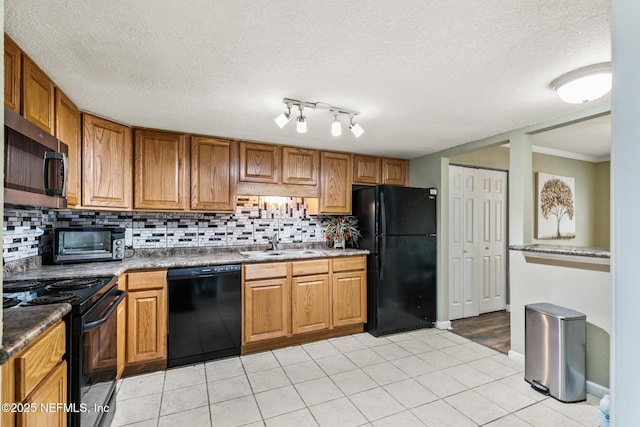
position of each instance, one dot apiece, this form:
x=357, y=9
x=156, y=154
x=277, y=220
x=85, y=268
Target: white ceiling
x=425, y=75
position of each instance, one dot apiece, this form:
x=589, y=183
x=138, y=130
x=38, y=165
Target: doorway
x=477, y=241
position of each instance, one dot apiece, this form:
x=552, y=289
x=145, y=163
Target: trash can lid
x=555, y=311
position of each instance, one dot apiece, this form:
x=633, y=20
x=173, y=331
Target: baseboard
x=596, y=389
x=440, y=324
x=508, y=308
x=516, y=357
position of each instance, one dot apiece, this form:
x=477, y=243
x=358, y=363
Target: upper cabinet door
x=106, y=164
x=68, y=131
x=38, y=96
x=299, y=166
x=395, y=171
x=335, y=183
x=12, y=62
x=366, y=170
x=214, y=172
x=259, y=163
x=160, y=171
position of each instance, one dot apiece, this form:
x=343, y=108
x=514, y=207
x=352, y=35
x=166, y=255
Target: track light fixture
x=301, y=122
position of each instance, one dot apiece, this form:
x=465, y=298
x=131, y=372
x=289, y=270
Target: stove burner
x=10, y=302
x=30, y=285
x=73, y=284
x=52, y=299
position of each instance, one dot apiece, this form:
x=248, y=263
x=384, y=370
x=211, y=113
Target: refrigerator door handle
x=432, y=235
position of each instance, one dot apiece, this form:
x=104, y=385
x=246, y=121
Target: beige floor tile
x=441, y=384
x=279, y=401
x=291, y=355
x=401, y=419
x=518, y=383
x=403, y=336
x=300, y=418
x=441, y=414
x=199, y=417
x=541, y=415
x=385, y=373
x=481, y=349
x=259, y=362
x=228, y=389
x=415, y=346
x=583, y=412
x=141, y=385
x=505, y=396
x=137, y=409
x=439, y=341
x=184, y=398
x=392, y=351
x=338, y=413
x=439, y=359
x=364, y=357
x=236, y=412
x=268, y=380
x=477, y=407
x=376, y=403
x=509, y=421
x=225, y=368
x=492, y=368
x=304, y=371
x=413, y=366
x=467, y=375
x=335, y=364
x=410, y=393
x=184, y=376
x=369, y=340
x=145, y=423
x=461, y=353
x=318, y=391
x=354, y=381
x=457, y=338
x=320, y=349
x=347, y=344
x=504, y=360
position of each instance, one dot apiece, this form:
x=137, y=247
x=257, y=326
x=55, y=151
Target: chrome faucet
x=273, y=239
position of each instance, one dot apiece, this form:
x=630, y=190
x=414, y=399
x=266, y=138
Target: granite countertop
x=24, y=324
x=563, y=250
x=173, y=259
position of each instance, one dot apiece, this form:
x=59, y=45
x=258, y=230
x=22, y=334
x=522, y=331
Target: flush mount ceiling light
x=584, y=84
x=301, y=125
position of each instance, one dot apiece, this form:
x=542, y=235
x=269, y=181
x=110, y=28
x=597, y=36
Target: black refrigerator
x=398, y=227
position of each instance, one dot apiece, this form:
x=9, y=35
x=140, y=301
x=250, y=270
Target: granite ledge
x=563, y=250
x=24, y=324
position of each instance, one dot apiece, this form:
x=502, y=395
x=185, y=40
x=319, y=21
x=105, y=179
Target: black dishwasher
x=205, y=313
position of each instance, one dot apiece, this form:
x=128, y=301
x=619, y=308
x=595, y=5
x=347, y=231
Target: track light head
x=336, y=127
x=301, y=126
x=355, y=129
x=284, y=118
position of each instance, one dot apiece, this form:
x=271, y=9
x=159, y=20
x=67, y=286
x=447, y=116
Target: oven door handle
x=97, y=323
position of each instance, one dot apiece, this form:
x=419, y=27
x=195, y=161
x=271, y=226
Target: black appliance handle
x=97, y=323
x=48, y=157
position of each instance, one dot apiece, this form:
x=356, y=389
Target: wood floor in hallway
x=490, y=329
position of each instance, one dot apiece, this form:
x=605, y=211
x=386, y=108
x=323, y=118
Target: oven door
x=98, y=365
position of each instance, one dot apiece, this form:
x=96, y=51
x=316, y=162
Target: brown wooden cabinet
x=68, y=131
x=146, y=318
x=12, y=74
x=37, y=375
x=299, y=166
x=259, y=163
x=214, y=173
x=395, y=171
x=160, y=170
x=349, y=291
x=267, y=309
x=38, y=97
x=335, y=183
x=106, y=164
x=310, y=296
x=366, y=170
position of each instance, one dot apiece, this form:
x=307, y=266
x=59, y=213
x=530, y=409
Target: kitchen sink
x=268, y=254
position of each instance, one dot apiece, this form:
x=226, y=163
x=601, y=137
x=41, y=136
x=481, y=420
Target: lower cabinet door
x=267, y=310
x=146, y=326
x=310, y=298
x=349, y=298
x=49, y=394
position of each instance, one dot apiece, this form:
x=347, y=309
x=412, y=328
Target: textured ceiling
x=425, y=75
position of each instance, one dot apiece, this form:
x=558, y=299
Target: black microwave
x=88, y=244
x=35, y=164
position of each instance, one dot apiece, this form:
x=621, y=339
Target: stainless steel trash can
x=555, y=351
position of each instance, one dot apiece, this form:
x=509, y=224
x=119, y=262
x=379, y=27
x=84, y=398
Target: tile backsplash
x=29, y=232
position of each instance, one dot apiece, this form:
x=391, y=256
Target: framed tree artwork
x=556, y=207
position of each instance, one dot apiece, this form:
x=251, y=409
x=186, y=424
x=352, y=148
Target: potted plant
x=342, y=230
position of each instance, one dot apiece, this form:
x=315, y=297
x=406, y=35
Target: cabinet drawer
x=265, y=271
x=35, y=363
x=305, y=268
x=146, y=280
x=349, y=263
